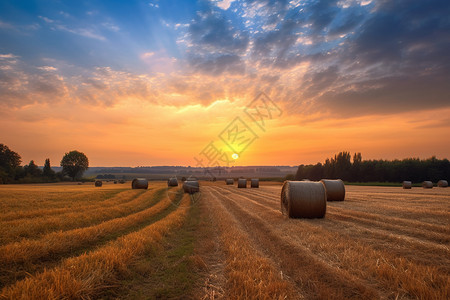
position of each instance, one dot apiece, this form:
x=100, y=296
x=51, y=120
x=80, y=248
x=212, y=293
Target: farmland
x=78, y=241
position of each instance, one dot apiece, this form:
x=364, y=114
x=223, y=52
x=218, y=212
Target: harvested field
x=78, y=241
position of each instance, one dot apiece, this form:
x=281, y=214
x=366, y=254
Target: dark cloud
x=273, y=47
x=388, y=95
x=316, y=83
x=395, y=59
x=216, y=45
x=212, y=31
x=322, y=13
x=348, y=23
x=217, y=65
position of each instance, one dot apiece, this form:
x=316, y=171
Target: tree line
x=342, y=166
x=73, y=164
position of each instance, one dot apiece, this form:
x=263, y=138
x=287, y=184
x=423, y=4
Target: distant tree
x=356, y=167
x=289, y=177
x=47, y=171
x=343, y=165
x=9, y=162
x=32, y=169
x=74, y=164
x=412, y=169
x=316, y=172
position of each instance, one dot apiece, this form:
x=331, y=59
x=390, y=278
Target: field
x=68, y=241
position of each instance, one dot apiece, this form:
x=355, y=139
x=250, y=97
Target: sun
x=235, y=156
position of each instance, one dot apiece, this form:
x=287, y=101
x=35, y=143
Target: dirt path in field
x=363, y=248
x=309, y=272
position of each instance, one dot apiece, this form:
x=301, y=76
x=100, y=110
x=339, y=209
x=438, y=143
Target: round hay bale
x=407, y=185
x=242, y=183
x=80, y=183
x=139, y=183
x=191, y=186
x=172, y=181
x=427, y=184
x=442, y=183
x=303, y=199
x=121, y=181
x=115, y=181
x=98, y=183
x=335, y=189
x=254, y=183
x=229, y=181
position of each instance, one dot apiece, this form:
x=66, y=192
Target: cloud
x=85, y=32
x=21, y=85
x=47, y=68
x=46, y=20
x=5, y=25
x=224, y=4
x=215, y=45
x=365, y=58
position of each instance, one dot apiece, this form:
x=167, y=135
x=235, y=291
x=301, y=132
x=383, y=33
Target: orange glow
x=134, y=133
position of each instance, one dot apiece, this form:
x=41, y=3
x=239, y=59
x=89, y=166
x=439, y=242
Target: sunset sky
x=166, y=82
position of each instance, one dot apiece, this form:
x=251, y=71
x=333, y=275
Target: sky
x=223, y=82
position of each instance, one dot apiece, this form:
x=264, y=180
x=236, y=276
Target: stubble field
x=66, y=241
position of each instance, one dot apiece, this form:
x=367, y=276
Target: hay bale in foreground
x=407, y=184
x=191, y=186
x=229, y=181
x=303, y=199
x=427, y=184
x=172, y=181
x=335, y=189
x=254, y=183
x=442, y=183
x=242, y=183
x=139, y=183
x=98, y=183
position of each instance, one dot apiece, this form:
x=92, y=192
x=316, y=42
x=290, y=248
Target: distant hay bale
x=139, y=183
x=172, y=181
x=115, y=181
x=303, y=199
x=407, y=185
x=98, y=183
x=427, y=184
x=242, y=183
x=254, y=183
x=122, y=181
x=229, y=181
x=80, y=183
x=442, y=183
x=335, y=189
x=191, y=186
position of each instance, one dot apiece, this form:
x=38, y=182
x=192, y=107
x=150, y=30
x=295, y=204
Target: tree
x=74, y=164
x=32, y=169
x=47, y=171
x=9, y=161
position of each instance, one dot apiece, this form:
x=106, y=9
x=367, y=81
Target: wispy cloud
x=5, y=25
x=46, y=20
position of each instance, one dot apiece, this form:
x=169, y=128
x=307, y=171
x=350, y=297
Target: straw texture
x=303, y=199
x=335, y=189
x=242, y=183
x=139, y=183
